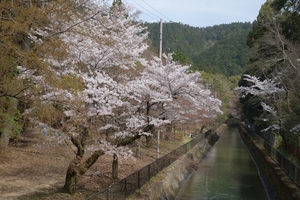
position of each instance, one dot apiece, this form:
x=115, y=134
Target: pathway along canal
x=227, y=172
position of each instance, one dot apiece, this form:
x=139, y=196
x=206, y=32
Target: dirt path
x=35, y=169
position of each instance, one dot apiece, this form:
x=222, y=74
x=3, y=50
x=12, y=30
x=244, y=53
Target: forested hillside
x=219, y=49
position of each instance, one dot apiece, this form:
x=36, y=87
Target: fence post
x=149, y=172
x=158, y=137
x=296, y=174
x=139, y=183
x=125, y=187
x=107, y=194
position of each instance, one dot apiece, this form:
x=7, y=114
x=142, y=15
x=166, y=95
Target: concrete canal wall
x=177, y=173
x=167, y=183
x=277, y=183
x=174, y=177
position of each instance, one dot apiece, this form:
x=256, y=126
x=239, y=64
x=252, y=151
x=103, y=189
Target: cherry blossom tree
x=168, y=92
x=269, y=95
x=89, y=85
x=82, y=84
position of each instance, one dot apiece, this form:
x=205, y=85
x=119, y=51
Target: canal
x=227, y=172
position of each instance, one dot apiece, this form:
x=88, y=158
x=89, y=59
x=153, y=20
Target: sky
x=198, y=13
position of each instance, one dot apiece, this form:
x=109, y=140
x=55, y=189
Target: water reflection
x=227, y=172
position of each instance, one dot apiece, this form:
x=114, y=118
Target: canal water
x=227, y=172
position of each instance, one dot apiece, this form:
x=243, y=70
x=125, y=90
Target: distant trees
x=181, y=58
x=228, y=56
x=219, y=49
x=275, y=57
x=80, y=76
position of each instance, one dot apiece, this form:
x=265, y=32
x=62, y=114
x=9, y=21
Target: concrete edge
x=174, y=177
x=275, y=176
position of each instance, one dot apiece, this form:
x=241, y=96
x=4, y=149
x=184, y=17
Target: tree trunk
x=148, y=141
x=201, y=131
x=284, y=140
x=2, y=142
x=115, y=165
x=169, y=129
x=138, y=149
x=174, y=132
x=77, y=168
x=4, y=138
x=71, y=179
x=128, y=140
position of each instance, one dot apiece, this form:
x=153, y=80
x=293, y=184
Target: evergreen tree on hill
x=218, y=49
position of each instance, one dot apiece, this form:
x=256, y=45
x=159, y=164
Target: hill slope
x=218, y=49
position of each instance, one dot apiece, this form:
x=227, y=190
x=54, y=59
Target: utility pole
x=160, y=39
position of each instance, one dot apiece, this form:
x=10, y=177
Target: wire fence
x=292, y=170
x=268, y=136
x=127, y=186
x=294, y=150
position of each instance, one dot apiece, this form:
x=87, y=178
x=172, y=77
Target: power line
x=141, y=11
x=147, y=11
x=150, y=16
x=156, y=10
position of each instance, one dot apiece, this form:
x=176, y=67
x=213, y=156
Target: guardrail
x=127, y=186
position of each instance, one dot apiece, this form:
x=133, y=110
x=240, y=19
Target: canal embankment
x=277, y=183
x=167, y=184
x=227, y=172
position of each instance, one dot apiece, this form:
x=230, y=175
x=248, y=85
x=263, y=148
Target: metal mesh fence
x=127, y=186
x=290, y=168
x=294, y=150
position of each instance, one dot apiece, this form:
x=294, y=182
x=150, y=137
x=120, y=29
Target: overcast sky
x=198, y=13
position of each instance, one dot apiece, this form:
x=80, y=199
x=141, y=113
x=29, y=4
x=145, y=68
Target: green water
x=227, y=172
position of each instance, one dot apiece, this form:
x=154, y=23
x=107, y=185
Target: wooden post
x=174, y=133
x=115, y=166
x=158, y=137
x=138, y=150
